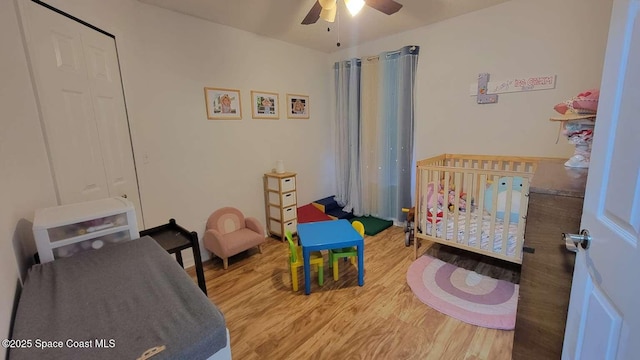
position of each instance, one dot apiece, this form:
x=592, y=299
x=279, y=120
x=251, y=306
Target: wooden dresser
x=280, y=203
x=555, y=206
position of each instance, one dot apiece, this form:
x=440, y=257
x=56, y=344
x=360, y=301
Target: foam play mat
x=309, y=213
x=372, y=225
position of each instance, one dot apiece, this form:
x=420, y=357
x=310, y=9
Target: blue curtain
x=393, y=137
x=347, y=80
x=397, y=83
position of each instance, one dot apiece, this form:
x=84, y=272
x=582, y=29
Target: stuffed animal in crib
x=462, y=199
x=501, y=186
x=438, y=215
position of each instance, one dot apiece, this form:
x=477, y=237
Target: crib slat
x=468, y=180
x=421, y=173
x=494, y=211
x=480, y=209
x=445, y=213
x=456, y=204
x=507, y=216
x=524, y=205
x=433, y=204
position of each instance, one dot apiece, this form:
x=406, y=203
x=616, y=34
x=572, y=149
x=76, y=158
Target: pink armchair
x=228, y=233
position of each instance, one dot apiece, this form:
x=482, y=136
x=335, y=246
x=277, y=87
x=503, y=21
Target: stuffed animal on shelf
x=577, y=118
x=501, y=186
x=586, y=103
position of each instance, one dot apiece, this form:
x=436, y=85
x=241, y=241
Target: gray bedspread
x=115, y=303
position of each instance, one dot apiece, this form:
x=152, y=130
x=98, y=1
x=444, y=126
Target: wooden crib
x=474, y=202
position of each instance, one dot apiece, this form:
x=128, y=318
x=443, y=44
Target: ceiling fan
x=326, y=9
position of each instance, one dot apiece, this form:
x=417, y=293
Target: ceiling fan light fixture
x=327, y=4
x=328, y=14
x=354, y=6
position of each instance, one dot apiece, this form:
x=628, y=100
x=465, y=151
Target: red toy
x=438, y=215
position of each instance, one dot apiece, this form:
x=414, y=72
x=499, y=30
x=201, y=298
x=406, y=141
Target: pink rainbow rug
x=465, y=295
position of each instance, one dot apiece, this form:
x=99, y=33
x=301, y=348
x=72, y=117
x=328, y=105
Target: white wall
x=189, y=166
x=25, y=178
x=204, y=164
x=518, y=37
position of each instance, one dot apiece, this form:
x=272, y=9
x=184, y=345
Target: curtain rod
x=388, y=54
x=369, y=58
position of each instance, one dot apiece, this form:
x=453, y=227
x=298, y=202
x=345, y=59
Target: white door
x=79, y=92
x=604, y=311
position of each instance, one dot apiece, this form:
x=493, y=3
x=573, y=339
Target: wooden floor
x=340, y=320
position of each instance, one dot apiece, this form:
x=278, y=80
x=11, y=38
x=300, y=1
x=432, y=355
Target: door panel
x=77, y=162
x=602, y=315
x=65, y=52
x=111, y=115
x=603, y=322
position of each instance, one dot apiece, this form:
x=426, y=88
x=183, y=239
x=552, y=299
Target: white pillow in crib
x=502, y=198
x=515, y=205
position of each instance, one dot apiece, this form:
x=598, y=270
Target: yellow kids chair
x=350, y=252
x=295, y=261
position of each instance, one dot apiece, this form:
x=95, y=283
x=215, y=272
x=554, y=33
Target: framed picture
x=265, y=105
x=297, y=106
x=223, y=104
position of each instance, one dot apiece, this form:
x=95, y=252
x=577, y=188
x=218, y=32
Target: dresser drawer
x=276, y=226
x=75, y=229
x=291, y=226
x=91, y=244
x=64, y=230
x=288, y=213
x=283, y=200
x=281, y=184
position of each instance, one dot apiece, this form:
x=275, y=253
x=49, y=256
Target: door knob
x=571, y=241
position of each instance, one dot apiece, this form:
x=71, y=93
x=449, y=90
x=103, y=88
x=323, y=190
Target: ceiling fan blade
x=386, y=6
x=313, y=15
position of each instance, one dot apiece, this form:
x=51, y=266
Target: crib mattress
x=485, y=227
x=116, y=303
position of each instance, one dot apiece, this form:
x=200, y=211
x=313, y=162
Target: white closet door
x=79, y=90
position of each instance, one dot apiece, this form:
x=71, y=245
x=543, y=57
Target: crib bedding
x=474, y=217
x=130, y=297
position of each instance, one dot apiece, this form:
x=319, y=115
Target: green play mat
x=372, y=225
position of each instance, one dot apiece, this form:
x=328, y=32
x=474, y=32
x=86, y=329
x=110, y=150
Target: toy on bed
x=516, y=194
x=474, y=202
x=451, y=199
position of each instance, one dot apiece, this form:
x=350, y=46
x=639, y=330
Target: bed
x=127, y=301
x=474, y=202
